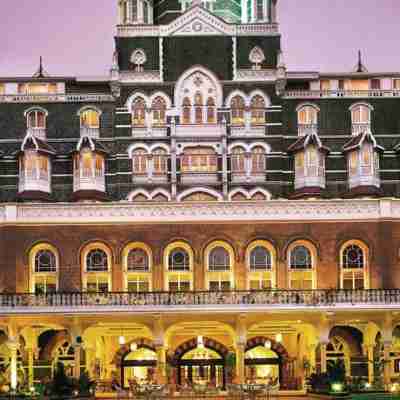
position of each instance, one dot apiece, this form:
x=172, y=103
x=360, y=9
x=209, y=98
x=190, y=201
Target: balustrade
x=315, y=94
x=271, y=298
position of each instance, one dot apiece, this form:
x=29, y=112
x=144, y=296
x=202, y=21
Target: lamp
x=267, y=344
x=134, y=346
x=200, y=342
x=121, y=340
x=279, y=337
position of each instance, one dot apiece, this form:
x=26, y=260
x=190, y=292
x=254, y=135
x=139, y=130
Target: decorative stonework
x=138, y=58
x=255, y=75
x=270, y=211
x=139, y=76
x=55, y=98
x=256, y=57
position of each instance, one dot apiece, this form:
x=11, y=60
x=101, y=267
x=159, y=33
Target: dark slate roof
x=93, y=144
x=357, y=141
x=302, y=142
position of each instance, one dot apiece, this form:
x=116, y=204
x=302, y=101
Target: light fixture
x=279, y=337
x=267, y=344
x=200, y=342
x=121, y=340
x=134, y=346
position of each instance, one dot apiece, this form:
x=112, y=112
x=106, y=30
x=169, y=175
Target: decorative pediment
x=198, y=21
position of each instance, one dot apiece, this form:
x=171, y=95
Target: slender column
x=370, y=358
x=161, y=372
x=247, y=120
x=387, y=365
x=173, y=159
x=312, y=348
x=323, y=356
x=13, y=345
x=224, y=154
x=77, y=361
x=30, y=354
x=240, y=351
x=90, y=352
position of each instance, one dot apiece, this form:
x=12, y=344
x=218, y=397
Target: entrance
x=201, y=366
x=263, y=366
x=138, y=367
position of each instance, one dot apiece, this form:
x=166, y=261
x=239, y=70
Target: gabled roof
x=93, y=144
x=302, y=142
x=357, y=141
x=32, y=142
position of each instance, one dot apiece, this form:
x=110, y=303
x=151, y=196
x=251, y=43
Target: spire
x=40, y=73
x=360, y=67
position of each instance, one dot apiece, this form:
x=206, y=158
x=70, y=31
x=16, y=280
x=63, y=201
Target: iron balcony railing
x=222, y=299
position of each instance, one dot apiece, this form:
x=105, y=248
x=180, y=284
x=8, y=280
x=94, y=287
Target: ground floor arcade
x=211, y=349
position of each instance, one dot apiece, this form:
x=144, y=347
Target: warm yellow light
x=337, y=387
x=134, y=346
x=121, y=340
x=279, y=337
x=200, y=342
x=267, y=344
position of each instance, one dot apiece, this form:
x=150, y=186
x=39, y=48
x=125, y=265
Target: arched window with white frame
x=90, y=122
x=159, y=109
x=302, y=257
x=36, y=121
x=307, y=119
x=354, y=270
x=361, y=118
x=257, y=110
x=211, y=111
x=219, y=257
x=44, y=268
x=137, y=266
x=160, y=161
x=140, y=159
x=238, y=161
x=238, y=108
x=261, y=265
x=258, y=160
x=139, y=112
x=178, y=261
x=96, y=259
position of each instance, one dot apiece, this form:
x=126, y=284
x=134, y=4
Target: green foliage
x=61, y=385
x=85, y=385
x=321, y=383
x=336, y=371
x=230, y=361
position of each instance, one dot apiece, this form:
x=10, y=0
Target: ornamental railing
x=315, y=94
x=229, y=299
x=54, y=98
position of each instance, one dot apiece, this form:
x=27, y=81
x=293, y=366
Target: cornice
x=274, y=211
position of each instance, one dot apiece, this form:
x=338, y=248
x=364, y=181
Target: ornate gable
x=198, y=21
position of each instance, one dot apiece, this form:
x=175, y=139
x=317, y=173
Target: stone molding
x=55, y=98
x=208, y=212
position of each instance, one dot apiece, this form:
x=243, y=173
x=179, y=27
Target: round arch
x=213, y=193
x=138, y=192
x=235, y=93
x=131, y=99
x=163, y=95
x=264, y=192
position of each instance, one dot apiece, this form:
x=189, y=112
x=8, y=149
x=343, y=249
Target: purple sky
x=76, y=37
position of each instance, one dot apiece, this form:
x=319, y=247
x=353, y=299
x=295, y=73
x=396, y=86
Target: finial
x=360, y=67
x=40, y=73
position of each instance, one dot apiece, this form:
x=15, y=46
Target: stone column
x=240, y=367
x=161, y=372
x=77, y=360
x=224, y=153
x=13, y=345
x=387, y=365
x=30, y=353
x=90, y=353
x=173, y=159
x=323, y=356
x=370, y=360
x=312, y=348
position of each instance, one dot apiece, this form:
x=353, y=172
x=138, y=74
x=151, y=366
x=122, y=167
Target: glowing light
x=134, y=346
x=200, y=342
x=267, y=344
x=279, y=337
x=337, y=387
x=367, y=385
x=121, y=340
x=394, y=387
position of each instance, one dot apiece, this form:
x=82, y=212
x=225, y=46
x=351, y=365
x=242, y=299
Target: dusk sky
x=76, y=37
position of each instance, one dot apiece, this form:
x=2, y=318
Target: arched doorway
x=267, y=361
x=201, y=361
x=138, y=366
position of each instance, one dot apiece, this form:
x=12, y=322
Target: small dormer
x=35, y=169
x=89, y=170
x=363, y=164
x=309, y=160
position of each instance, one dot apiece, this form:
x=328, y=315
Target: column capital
x=13, y=344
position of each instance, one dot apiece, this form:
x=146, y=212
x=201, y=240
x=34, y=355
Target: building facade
x=200, y=205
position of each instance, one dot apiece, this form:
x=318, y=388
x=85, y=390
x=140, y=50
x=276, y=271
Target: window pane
x=260, y=258
x=45, y=261
x=178, y=260
x=96, y=260
x=300, y=258
x=219, y=260
x=138, y=260
x=353, y=257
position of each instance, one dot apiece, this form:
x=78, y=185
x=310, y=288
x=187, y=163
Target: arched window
x=139, y=161
x=44, y=269
x=307, y=120
x=361, y=118
x=160, y=161
x=219, y=273
x=257, y=109
x=186, y=111
x=36, y=119
x=258, y=160
x=199, y=159
x=90, y=118
x=237, y=110
x=211, y=111
x=260, y=10
x=139, y=112
x=260, y=260
x=354, y=266
x=96, y=260
x=198, y=108
x=34, y=172
x=159, y=107
x=178, y=258
x=137, y=260
x=301, y=264
x=238, y=160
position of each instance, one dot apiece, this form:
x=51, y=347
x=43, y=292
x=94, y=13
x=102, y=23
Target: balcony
x=307, y=129
x=39, y=133
x=92, y=132
x=34, y=180
x=89, y=182
x=316, y=94
x=358, y=129
x=230, y=301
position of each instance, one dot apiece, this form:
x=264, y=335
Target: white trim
x=265, y=146
x=182, y=146
x=88, y=108
x=211, y=192
x=136, y=192
x=162, y=95
x=266, y=193
x=361, y=103
x=133, y=97
x=242, y=191
x=138, y=146
x=236, y=92
x=233, y=145
x=307, y=104
x=258, y=92
x=36, y=108
x=162, y=191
